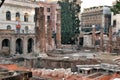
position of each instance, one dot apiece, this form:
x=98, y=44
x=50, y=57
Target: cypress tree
x=69, y=21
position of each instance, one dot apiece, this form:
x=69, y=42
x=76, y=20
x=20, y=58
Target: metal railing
x=25, y=32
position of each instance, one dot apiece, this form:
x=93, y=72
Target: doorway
x=19, y=46
x=30, y=45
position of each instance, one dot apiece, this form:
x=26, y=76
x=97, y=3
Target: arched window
x=26, y=29
x=26, y=17
x=17, y=16
x=8, y=15
x=8, y=27
x=5, y=43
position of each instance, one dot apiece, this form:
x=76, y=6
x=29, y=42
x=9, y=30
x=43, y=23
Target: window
x=17, y=16
x=8, y=27
x=26, y=17
x=114, y=23
x=48, y=17
x=26, y=29
x=74, y=0
x=48, y=9
x=22, y=31
x=8, y=15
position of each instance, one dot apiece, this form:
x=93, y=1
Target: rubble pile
x=56, y=74
x=66, y=74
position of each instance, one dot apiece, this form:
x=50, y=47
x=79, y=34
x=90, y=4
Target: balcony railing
x=25, y=32
x=4, y=31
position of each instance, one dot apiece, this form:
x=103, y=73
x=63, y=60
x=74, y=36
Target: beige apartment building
x=99, y=16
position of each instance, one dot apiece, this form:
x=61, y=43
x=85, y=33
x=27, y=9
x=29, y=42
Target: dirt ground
x=107, y=57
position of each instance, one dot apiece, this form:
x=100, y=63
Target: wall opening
x=19, y=46
x=30, y=45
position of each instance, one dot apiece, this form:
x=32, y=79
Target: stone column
x=58, y=36
x=58, y=33
x=0, y=43
x=43, y=34
x=34, y=44
x=13, y=45
x=25, y=45
x=93, y=35
x=40, y=29
x=110, y=40
x=49, y=33
x=101, y=40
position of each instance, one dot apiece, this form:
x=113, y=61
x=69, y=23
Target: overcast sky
x=91, y=3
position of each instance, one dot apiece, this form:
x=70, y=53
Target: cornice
x=21, y=4
x=14, y=22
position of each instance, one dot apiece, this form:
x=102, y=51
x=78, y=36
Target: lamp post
x=1, y=2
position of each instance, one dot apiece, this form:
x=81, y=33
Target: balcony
x=6, y=32
x=25, y=32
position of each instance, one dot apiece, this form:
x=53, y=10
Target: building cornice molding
x=14, y=22
x=21, y=4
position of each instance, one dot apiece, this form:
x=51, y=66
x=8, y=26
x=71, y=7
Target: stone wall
x=51, y=63
x=58, y=62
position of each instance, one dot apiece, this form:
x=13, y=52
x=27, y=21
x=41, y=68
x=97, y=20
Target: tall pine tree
x=69, y=21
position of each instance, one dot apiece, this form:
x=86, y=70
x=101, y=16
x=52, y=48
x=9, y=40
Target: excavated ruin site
x=60, y=64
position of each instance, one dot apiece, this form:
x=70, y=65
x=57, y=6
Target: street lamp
x=1, y=2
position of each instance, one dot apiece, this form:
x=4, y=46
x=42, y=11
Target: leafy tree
x=116, y=8
x=69, y=21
